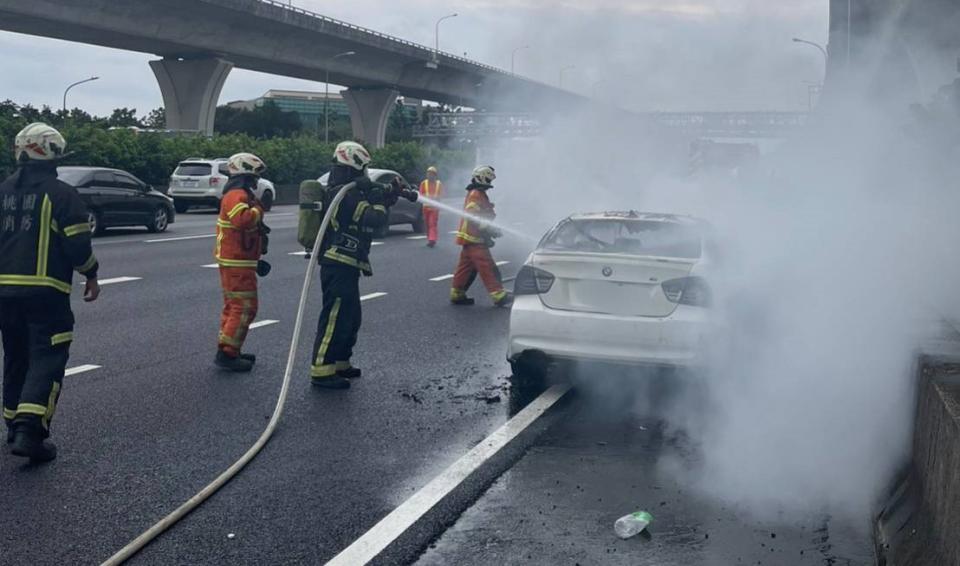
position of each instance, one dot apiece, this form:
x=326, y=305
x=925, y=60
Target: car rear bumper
x=674, y=340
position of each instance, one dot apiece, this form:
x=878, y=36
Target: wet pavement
x=605, y=458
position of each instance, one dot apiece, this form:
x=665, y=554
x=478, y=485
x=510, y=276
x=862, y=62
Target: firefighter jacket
x=476, y=204
x=44, y=234
x=239, y=229
x=357, y=217
x=431, y=189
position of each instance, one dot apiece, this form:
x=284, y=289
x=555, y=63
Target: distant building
x=309, y=105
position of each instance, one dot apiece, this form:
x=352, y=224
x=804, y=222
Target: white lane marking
x=262, y=323
x=499, y=263
x=276, y=214
x=416, y=237
x=453, y=232
x=119, y=280
x=372, y=296
x=442, y=277
x=179, y=238
x=376, y=243
x=211, y=266
x=301, y=252
x=81, y=369
x=377, y=539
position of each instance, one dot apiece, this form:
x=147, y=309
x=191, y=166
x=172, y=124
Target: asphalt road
x=156, y=421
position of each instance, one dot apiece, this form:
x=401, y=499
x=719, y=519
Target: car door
x=104, y=197
x=132, y=199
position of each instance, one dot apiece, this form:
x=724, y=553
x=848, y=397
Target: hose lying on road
x=180, y=512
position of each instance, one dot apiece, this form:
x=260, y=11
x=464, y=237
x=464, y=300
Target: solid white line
x=119, y=280
x=372, y=296
x=262, y=323
x=442, y=277
x=211, y=266
x=177, y=239
x=374, y=541
x=81, y=369
x=416, y=237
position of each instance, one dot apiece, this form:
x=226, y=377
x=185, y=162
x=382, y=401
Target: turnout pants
x=37, y=332
x=339, y=321
x=239, y=307
x=431, y=217
x=476, y=259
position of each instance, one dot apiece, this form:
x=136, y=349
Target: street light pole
x=326, y=95
x=564, y=70
x=513, y=58
x=73, y=85
x=818, y=46
x=436, y=53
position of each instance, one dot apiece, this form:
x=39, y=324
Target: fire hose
x=180, y=512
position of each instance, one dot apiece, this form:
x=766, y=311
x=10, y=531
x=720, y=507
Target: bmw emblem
x=607, y=271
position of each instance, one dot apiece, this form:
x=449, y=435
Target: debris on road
x=231, y=535
x=630, y=525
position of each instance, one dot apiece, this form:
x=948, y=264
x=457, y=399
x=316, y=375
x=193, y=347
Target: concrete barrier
x=920, y=523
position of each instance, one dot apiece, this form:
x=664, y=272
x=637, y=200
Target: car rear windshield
x=72, y=177
x=193, y=169
x=616, y=236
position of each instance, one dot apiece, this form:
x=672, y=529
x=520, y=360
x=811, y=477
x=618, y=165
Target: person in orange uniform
x=431, y=187
x=240, y=243
x=477, y=239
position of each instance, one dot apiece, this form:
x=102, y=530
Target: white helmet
x=245, y=164
x=484, y=175
x=39, y=142
x=352, y=154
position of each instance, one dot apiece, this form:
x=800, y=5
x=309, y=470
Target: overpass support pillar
x=191, y=89
x=369, y=111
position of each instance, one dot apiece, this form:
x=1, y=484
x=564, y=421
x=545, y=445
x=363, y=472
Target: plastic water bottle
x=630, y=525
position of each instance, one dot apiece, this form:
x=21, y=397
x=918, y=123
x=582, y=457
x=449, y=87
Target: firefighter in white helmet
x=44, y=237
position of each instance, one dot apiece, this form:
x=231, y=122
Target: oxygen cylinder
x=311, y=212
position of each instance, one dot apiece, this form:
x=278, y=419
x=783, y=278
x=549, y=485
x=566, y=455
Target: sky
x=641, y=54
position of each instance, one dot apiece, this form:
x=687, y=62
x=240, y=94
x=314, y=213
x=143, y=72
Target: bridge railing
x=429, y=50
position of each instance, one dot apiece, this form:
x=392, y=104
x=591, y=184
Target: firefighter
x=431, y=187
x=44, y=237
x=241, y=240
x=477, y=239
x=344, y=255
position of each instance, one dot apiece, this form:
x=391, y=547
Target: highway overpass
x=200, y=41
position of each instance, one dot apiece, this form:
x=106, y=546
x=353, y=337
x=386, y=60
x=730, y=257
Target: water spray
x=180, y=512
x=483, y=222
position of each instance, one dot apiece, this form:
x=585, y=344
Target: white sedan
x=621, y=287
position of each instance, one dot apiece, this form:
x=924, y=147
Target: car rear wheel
x=96, y=225
x=267, y=200
x=161, y=219
x=180, y=206
x=530, y=369
x=419, y=226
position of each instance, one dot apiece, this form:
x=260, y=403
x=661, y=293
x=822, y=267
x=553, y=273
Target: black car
x=117, y=198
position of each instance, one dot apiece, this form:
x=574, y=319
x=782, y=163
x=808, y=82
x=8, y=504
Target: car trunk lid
x=611, y=284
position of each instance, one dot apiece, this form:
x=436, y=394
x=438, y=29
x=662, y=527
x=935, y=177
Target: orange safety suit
x=475, y=256
x=431, y=216
x=239, y=246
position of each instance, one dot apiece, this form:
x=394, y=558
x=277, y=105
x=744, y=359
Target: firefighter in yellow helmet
x=431, y=187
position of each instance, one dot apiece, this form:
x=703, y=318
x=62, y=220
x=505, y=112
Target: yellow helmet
x=433, y=170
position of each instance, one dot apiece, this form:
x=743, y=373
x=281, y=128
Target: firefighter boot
x=350, y=373
x=28, y=442
x=10, y=435
x=252, y=358
x=335, y=382
x=237, y=364
x=505, y=301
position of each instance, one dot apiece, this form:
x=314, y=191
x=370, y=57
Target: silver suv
x=199, y=182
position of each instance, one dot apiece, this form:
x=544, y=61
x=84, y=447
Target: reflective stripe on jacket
x=476, y=204
x=351, y=230
x=44, y=234
x=431, y=189
x=238, y=230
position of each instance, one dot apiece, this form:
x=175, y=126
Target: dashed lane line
x=416, y=237
x=300, y=253
x=262, y=323
x=179, y=238
x=211, y=265
x=450, y=275
x=390, y=528
x=118, y=280
x=372, y=296
x=81, y=369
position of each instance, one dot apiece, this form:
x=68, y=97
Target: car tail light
x=214, y=181
x=692, y=291
x=532, y=281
